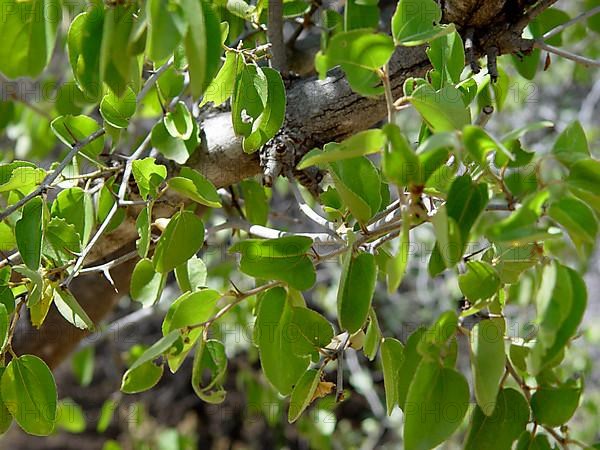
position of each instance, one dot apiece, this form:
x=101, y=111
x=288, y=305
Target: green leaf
x=577, y=218
x=542, y=356
x=84, y=43
x=106, y=201
x=249, y=98
x=400, y=162
x=170, y=84
x=166, y=27
x=193, y=185
x=452, y=224
x=479, y=144
x=163, y=345
x=178, y=122
x=61, y=241
x=447, y=55
x=372, y=337
x=142, y=225
x=396, y=266
x=554, y=406
x=434, y=388
x=361, y=14
x=538, y=442
x=442, y=110
x=417, y=23
x=148, y=175
x=118, y=110
x=434, y=344
x=142, y=378
x=359, y=185
x=519, y=227
x=29, y=233
x=479, y=282
x=71, y=310
x=554, y=299
x=222, y=86
x=361, y=144
x=23, y=179
x=70, y=416
x=181, y=240
x=309, y=331
x=29, y=33
x=487, y=361
x=360, y=53
x=302, y=394
x=392, y=358
x=202, y=50
x=107, y=412
x=585, y=175
x=503, y=427
x=191, y=308
x=29, y=393
x=4, y=326
x=357, y=286
x=119, y=68
x=412, y=359
x=270, y=120
x=72, y=129
x=281, y=365
x=571, y=145
x=191, y=276
x=74, y=205
x=281, y=259
x=210, y=357
x=146, y=284
x=256, y=203
x=82, y=365
x=173, y=148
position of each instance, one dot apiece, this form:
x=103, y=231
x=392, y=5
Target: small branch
x=308, y=211
x=559, y=29
x=271, y=233
x=109, y=265
x=54, y=174
x=239, y=297
x=275, y=35
x=152, y=79
x=389, y=97
x=485, y=116
x=587, y=62
x=533, y=12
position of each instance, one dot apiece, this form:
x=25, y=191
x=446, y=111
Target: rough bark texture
x=319, y=111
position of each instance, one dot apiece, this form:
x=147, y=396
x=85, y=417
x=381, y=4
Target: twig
x=275, y=35
x=271, y=233
x=584, y=61
x=533, y=12
x=109, y=265
x=389, y=98
x=308, y=211
x=559, y=29
x=152, y=80
x=54, y=174
x=239, y=297
x=485, y=116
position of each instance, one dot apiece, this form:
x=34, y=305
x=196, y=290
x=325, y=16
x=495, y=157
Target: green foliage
x=513, y=225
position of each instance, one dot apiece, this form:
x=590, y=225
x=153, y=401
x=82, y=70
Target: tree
x=148, y=150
